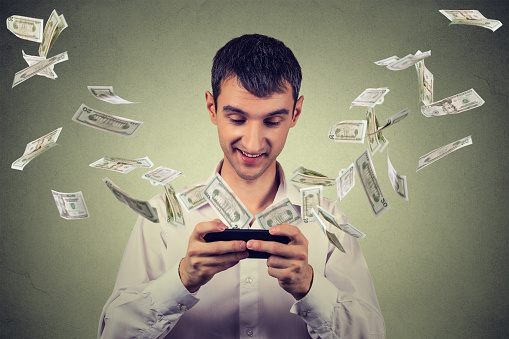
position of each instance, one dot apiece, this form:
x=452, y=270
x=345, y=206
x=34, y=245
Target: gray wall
x=438, y=261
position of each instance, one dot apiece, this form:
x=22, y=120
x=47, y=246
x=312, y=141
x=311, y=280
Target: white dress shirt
x=150, y=301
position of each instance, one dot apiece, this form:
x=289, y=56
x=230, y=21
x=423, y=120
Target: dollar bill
x=369, y=182
x=398, y=182
x=373, y=140
x=455, y=104
x=345, y=181
x=71, y=206
x=306, y=171
x=309, y=198
x=36, y=147
x=173, y=208
x=54, y=26
x=47, y=72
x=408, y=61
x=26, y=28
x=370, y=97
x=277, y=214
x=387, y=61
x=305, y=176
x=348, y=131
x=331, y=236
x=105, y=93
x=121, y=165
x=141, y=207
x=392, y=120
x=192, y=198
x=30, y=71
x=382, y=141
x=226, y=204
x=60, y=27
x=470, y=17
x=425, y=78
x=161, y=175
x=347, y=228
x=105, y=122
x=441, y=152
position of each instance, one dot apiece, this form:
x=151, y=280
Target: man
x=173, y=288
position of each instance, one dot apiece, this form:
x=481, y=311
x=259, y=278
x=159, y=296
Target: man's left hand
x=288, y=263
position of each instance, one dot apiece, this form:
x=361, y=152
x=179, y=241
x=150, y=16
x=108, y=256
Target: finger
x=275, y=261
x=224, y=260
x=208, y=227
x=290, y=231
x=272, y=247
x=222, y=247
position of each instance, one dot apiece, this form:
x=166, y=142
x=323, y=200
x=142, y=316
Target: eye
x=272, y=123
x=237, y=121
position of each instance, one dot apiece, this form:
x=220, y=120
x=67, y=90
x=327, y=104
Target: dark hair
x=263, y=66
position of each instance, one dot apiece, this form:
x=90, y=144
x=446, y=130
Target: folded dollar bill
x=54, y=26
x=455, y=104
x=26, y=28
x=121, y=165
x=173, y=208
x=391, y=120
x=347, y=228
x=331, y=236
x=36, y=147
x=277, y=214
x=345, y=181
x=37, y=68
x=161, y=175
x=441, y=152
x=396, y=64
x=369, y=182
x=310, y=197
x=105, y=122
x=470, y=17
x=304, y=176
x=398, y=182
x=105, y=93
x=71, y=206
x=192, y=198
x=425, y=78
x=47, y=72
x=370, y=97
x=348, y=131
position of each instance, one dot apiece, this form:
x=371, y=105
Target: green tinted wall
x=438, y=261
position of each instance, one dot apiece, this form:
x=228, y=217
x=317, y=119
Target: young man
x=172, y=284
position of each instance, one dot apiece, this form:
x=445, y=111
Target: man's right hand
x=203, y=260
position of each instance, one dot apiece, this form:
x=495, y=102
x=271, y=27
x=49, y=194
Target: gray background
x=438, y=261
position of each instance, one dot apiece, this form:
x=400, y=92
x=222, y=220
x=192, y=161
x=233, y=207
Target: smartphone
x=246, y=235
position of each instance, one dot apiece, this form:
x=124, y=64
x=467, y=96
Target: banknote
x=121, y=165
x=345, y=181
x=398, y=182
x=470, y=17
x=141, y=207
x=161, y=175
x=306, y=171
x=277, y=214
x=348, y=131
x=305, y=176
x=192, y=198
x=370, y=97
x=347, y=228
x=60, y=27
x=455, y=104
x=425, y=78
x=408, y=61
x=54, y=26
x=105, y=122
x=387, y=61
x=173, y=208
x=331, y=236
x=369, y=182
x=441, y=152
x=47, y=72
x=382, y=141
x=30, y=71
x=71, y=206
x=36, y=147
x=26, y=28
x=373, y=140
x=309, y=198
x=226, y=204
x=105, y=93
x=392, y=120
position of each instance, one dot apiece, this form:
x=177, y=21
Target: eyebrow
x=239, y=111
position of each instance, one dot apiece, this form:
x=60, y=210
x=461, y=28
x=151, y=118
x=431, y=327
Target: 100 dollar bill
x=192, y=198
x=369, y=182
x=282, y=212
x=105, y=122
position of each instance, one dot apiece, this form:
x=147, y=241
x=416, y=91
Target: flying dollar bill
x=26, y=28
x=226, y=204
x=387, y=61
x=373, y=140
x=425, y=78
x=71, y=206
x=309, y=198
x=173, y=208
x=399, y=182
x=192, y=198
x=47, y=72
x=331, y=236
x=30, y=71
x=408, y=61
x=348, y=131
x=36, y=147
x=441, y=152
x=382, y=140
x=141, y=207
x=370, y=97
x=54, y=26
x=369, y=182
x=392, y=120
x=345, y=181
x=347, y=228
x=305, y=176
x=470, y=17
x=455, y=104
x=277, y=214
x=121, y=165
x=105, y=93
x=161, y=175
x=105, y=122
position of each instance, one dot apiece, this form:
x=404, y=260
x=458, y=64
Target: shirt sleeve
x=343, y=303
x=147, y=299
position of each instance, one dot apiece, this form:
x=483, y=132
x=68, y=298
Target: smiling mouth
x=249, y=155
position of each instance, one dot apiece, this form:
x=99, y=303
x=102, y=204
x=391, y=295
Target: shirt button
x=183, y=307
x=249, y=333
x=303, y=314
x=249, y=280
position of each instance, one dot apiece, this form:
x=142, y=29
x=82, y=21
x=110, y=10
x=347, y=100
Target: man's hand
x=288, y=263
x=203, y=260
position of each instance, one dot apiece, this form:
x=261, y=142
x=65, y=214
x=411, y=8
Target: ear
x=211, y=107
x=297, y=110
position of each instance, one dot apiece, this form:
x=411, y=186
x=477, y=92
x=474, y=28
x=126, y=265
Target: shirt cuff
x=169, y=296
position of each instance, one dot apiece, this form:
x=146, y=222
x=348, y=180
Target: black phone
x=246, y=235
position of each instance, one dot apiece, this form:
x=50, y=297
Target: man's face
x=252, y=131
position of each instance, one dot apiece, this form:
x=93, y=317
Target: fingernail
x=272, y=229
x=242, y=246
x=222, y=227
x=250, y=244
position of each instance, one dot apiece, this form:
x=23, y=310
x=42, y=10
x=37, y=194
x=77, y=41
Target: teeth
x=251, y=155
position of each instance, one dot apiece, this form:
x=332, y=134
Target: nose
x=253, y=139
